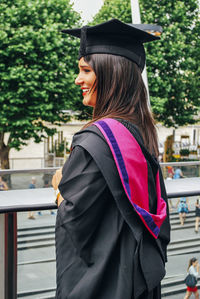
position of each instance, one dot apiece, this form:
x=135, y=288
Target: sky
x=87, y=8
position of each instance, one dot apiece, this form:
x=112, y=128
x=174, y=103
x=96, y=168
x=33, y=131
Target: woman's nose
x=78, y=80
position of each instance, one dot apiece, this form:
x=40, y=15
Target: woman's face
x=195, y=263
x=87, y=81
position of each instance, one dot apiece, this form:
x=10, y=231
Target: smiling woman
x=112, y=226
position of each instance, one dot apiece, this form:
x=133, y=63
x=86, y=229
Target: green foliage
x=184, y=152
x=60, y=148
x=173, y=62
x=38, y=66
x=114, y=9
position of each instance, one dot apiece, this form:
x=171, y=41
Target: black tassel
x=82, y=51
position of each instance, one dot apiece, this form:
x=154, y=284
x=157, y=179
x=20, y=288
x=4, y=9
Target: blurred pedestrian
x=193, y=269
x=197, y=214
x=3, y=185
x=183, y=209
x=32, y=186
x=170, y=171
x=178, y=174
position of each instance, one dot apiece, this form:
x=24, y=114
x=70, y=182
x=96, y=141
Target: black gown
x=103, y=250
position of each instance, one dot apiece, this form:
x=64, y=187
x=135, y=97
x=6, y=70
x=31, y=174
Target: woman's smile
x=85, y=91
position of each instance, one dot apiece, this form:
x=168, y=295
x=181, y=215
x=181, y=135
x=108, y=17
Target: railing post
x=10, y=255
x=2, y=256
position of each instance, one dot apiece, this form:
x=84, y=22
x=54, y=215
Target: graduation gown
x=104, y=250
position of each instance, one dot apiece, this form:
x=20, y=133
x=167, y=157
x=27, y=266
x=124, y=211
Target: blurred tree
x=173, y=62
x=37, y=70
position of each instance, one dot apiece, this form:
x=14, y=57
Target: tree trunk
x=4, y=160
x=4, y=153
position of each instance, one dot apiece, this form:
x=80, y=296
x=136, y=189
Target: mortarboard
x=117, y=38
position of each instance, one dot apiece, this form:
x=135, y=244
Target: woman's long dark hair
x=121, y=93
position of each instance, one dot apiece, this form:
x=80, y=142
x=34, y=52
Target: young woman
x=193, y=268
x=112, y=226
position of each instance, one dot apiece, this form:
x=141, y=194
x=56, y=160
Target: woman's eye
x=86, y=70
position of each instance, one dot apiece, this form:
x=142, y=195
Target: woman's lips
x=84, y=91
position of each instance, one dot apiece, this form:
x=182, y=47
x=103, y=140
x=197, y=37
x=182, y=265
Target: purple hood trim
x=133, y=172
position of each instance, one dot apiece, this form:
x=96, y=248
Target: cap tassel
x=82, y=51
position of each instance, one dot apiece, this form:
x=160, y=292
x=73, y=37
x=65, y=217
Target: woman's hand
x=55, y=182
x=57, y=178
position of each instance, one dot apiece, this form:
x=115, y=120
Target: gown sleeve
x=84, y=191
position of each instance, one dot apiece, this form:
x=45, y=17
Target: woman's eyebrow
x=82, y=65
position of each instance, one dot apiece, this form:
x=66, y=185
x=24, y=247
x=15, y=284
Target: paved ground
x=177, y=296
x=45, y=219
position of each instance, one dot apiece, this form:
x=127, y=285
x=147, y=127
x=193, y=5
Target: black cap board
x=117, y=38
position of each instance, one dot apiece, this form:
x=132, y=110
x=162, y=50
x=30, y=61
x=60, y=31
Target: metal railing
x=189, y=169
x=49, y=169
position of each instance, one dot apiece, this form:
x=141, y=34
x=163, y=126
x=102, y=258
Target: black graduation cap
x=117, y=38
